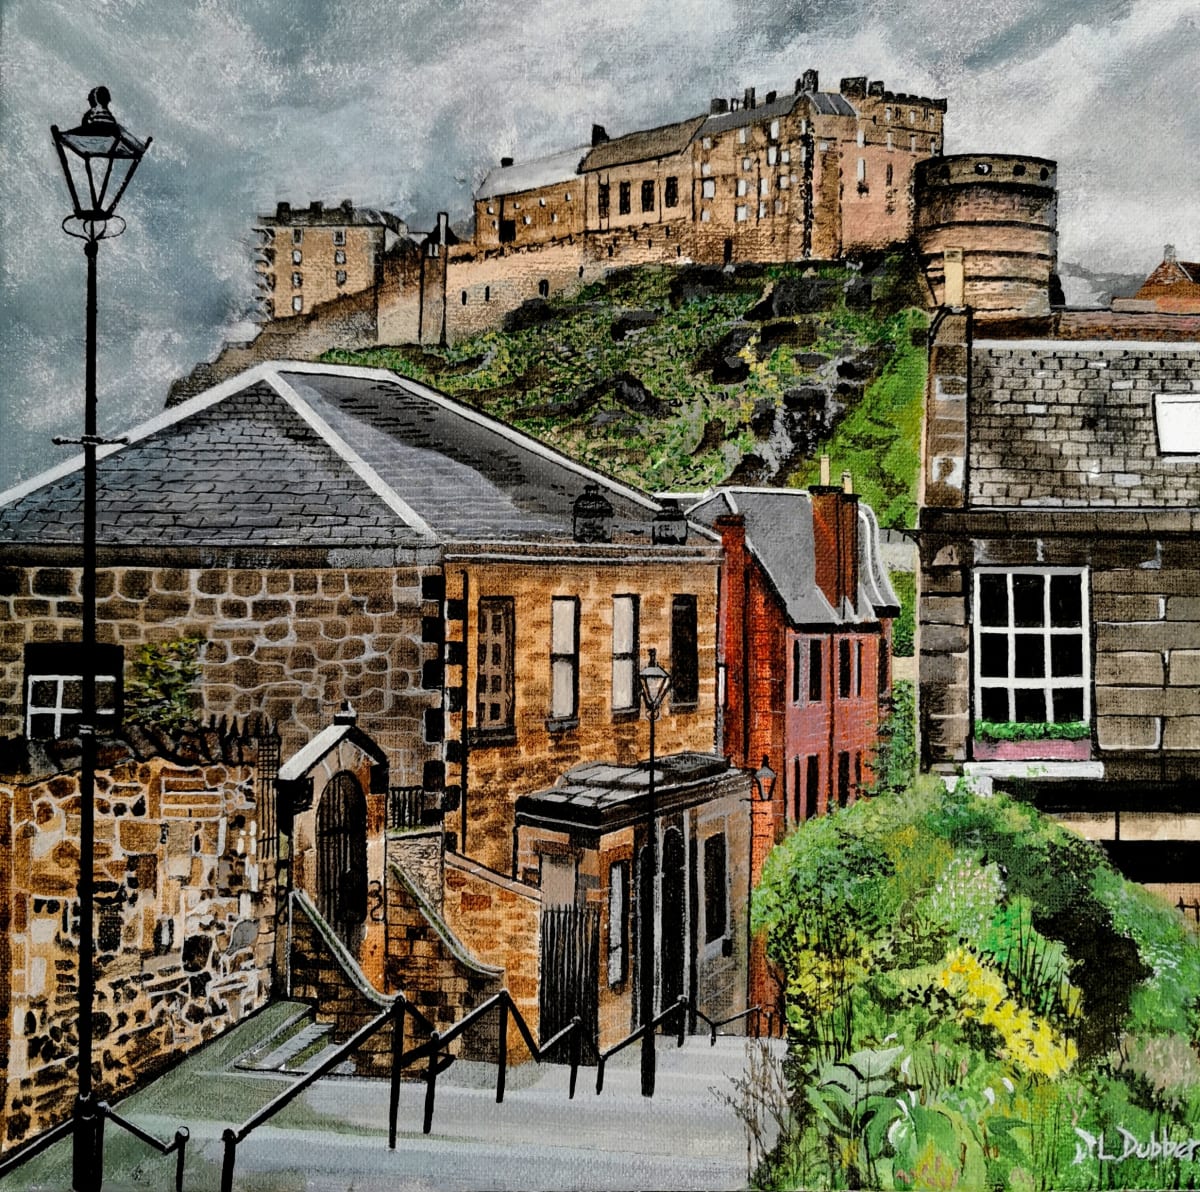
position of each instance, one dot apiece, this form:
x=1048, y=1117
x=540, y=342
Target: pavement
x=333, y=1136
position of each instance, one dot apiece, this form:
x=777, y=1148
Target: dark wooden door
x=570, y=976
x=342, y=857
x=672, y=940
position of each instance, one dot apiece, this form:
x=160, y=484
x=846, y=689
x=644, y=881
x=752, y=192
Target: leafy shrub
x=162, y=686
x=973, y=993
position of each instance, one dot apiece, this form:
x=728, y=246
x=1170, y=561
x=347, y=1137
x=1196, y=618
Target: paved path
x=333, y=1137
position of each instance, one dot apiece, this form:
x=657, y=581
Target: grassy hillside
x=681, y=378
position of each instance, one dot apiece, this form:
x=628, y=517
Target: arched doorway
x=342, y=857
x=672, y=903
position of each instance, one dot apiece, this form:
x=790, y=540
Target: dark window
x=464, y=297
x=544, y=288
x=1030, y=647
x=845, y=668
x=716, y=899
x=889, y=174
x=54, y=689
x=494, y=663
x=816, y=684
x=564, y=657
x=812, y=786
x=508, y=231
x=843, y=779
x=797, y=661
x=671, y=192
x=602, y=200
x=797, y=790
x=858, y=773
x=623, y=198
x=858, y=673
x=648, y=195
x=685, y=669
x=618, y=922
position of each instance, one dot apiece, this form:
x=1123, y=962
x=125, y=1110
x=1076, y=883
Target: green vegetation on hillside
x=682, y=378
x=976, y=999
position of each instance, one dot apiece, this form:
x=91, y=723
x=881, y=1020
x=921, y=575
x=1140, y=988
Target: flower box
x=1023, y=751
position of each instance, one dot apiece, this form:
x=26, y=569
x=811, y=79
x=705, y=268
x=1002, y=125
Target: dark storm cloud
x=406, y=103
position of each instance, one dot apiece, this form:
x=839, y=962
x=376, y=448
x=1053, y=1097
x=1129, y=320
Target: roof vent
x=670, y=526
x=592, y=516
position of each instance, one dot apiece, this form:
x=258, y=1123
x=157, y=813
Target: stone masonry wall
x=184, y=919
x=1073, y=424
x=292, y=643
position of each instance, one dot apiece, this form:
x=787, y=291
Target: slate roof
x=779, y=534
x=295, y=454
x=533, y=174
x=605, y=795
x=824, y=103
x=643, y=145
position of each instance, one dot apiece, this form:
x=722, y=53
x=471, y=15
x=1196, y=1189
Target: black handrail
x=677, y=1007
x=56, y=1133
x=720, y=1022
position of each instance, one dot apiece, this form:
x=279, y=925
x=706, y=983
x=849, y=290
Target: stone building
x=439, y=614
x=532, y=203
x=1059, y=612
x=315, y=254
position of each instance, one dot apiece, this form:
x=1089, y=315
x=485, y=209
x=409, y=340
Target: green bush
x=904, y=583
x=163, y=681
x=972, y=993
x=1012, y=730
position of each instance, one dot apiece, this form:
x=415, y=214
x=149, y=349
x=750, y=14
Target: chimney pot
x=1169, y=252
x=748, y=98
x=825, y=470
x=505, y=162
x=810, y=80
x=599, y=134
x=847, y=483
x=347, y=206
x=718, y=106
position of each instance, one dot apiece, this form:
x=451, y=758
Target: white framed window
x=54, y=689
x=297, y=280
x=297, y=304
x=541, y=202
x=762, y=210
x=340, y=277
x=1031, y=659
x=297, y=257
x=764, y=186
x=716, y=889
x=741, y=213
x=862, y=136
x=773, y=131
x=339, y=235
x=742, y=136
x=772, y=155
x=708, y=188
x=297, y=235
x=706, y=143
x=862, y=169
x=743, y=187
x=564, y=657
x=784, y=182
x=339, y=256
x=747, y=163
x=624, y=653
x=1177, y=418
x=705, y=215
x=785, y=157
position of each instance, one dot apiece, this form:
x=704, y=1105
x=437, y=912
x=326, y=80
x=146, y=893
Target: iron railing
x=433, y=1051
x=405, y=807
x=1189, y=908
x=104, y=1111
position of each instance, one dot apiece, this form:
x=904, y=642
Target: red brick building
x=806, y=626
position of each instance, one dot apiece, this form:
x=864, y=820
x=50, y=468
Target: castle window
x=648, y=195
x=912, y=116
x=491, y=210
x=705, y=169
x=297, y=235
x=671, y=192
x=516, y=206
x=912, y=143
x=297, y=280
x=862, y=136
x=822, y=146
x=297, y=257
x=785, y=157
x=743, y=187
x=890, y=142
x=339, y=235
x=705, y=215
x=527, y=220
x=543, y=288
x=706, y=143
x=784, y=182
x=464, y=297
x=762, y=211
x=887, y=114
x=983, y=167
x=487, y=293
x=862, y=169
x=554, y=217
x=567, y=197
x=1019, y=170
x=778, y=206
x=624, y=201
x=742, y=136
x=602, y=200
x=773, y=132
x=747, y=163
x=933, y=146
x=297, y=304
x=764, y=186
x=708, y=188
x=741, y=213
x=888, y=175
x=495, y=224
x=339, y=256
x=340, y=277
x=541, y=202
x=54, y=689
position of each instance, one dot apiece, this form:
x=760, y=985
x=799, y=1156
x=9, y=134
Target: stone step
x=279, y=1058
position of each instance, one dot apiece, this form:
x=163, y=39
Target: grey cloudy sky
x=406, y=103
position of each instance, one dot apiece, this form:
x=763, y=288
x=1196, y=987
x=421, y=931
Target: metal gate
x=570, y=975
x=342, y=857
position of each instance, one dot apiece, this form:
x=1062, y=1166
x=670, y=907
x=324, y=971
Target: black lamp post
x=98, y=159
x=655, y=684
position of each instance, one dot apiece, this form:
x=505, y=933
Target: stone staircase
x=296, y=1046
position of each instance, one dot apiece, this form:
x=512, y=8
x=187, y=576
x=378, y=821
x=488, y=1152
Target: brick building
x=1173, y=287
x=1059, y=631
x=341, y=536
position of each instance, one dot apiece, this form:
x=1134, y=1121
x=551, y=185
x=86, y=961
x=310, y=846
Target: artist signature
x=1093, y=1147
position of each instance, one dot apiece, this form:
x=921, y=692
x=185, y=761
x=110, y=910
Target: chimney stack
x=315, y=207
x=1169, y=252
x=875, y=87
x=772, y=96
x=855, y=85
x=283, y=212
x=810, y=80
x=748, y=99
x=824, y=471
x=718, y=107
x=847, y=483
x=599, y=135
x=505, y=162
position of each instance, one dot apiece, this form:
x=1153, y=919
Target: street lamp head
x=98, y=158
x=764, y=780
x=655, y=684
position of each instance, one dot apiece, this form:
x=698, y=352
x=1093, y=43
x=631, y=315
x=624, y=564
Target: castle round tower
x=987, y=232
